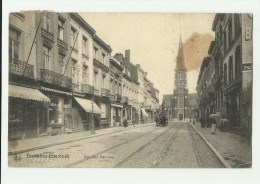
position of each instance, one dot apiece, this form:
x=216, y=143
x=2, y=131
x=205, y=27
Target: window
x=181, y=89
x=230, y=67
x=103, y=58
x=85, y=46
x=229, y=32
x=95, y=52
x=103, y=82
x=237, y=24
x=85, y=75
x=73, y=37
x=225, y=74
x=103, y=110
x=14, y=41
x=181, y=101
x=74, y=72
x=237, y=61
x=225, y=41
x=95, y=80
x=62, y=64
x=46, y=57
x=46, y=22
x=180, y=76
x=61, y=23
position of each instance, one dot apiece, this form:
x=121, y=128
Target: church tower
x=180, y=92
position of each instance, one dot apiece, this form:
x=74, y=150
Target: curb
x=222, y=160
x=69, y=141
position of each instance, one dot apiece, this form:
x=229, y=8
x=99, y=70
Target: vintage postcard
x=130, y=90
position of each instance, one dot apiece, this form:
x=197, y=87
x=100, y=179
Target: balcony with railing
x=55, y=78
x=100, y=65
x=21, y=68
x=105, y=92
x=86, y=88
x=125, y=99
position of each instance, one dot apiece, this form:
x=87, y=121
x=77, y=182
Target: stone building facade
x=231, y=57
x=61, y=74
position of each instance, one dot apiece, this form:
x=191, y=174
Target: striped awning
x=27, y=93
x=87, y=105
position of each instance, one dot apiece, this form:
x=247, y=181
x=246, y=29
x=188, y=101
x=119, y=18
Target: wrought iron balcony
x=55, y=78
x=125, y=99
x=86, y=88
x=100, y=65
x=105, y=92
x=21, y=68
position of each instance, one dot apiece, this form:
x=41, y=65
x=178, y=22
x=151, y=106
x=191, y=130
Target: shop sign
x=247, y=66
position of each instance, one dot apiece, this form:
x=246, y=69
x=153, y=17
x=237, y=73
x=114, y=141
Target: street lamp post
x=92, y=119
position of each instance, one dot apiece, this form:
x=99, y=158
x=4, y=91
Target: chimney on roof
x=127, y=55
x=119, y=57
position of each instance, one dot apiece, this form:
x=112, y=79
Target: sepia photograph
x=130, y=90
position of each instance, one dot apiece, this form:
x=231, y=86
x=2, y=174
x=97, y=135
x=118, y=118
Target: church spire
x=180, y=65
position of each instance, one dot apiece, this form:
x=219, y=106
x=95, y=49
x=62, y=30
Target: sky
x=153, y=39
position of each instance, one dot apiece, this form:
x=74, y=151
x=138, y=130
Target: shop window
x=103, y=111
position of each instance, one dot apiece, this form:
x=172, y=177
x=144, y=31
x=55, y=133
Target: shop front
x=27, y=113
x=143, y=115
x=82, y=113
x=59, y=114
x=116, y=116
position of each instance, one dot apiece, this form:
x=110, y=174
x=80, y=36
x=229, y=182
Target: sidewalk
x=25, y=145
x=235, y=149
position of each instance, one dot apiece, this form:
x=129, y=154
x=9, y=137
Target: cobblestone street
x=175, y=146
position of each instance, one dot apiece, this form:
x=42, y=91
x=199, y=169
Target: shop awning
x=55, y=91
x=144, y=112
x=116, y=105
x=27, y=93
x=87, y=105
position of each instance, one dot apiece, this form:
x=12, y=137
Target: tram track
x=109, y=149
x=142, y=147
x=206, y=156
x=164, y=151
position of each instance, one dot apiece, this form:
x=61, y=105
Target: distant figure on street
x=125, y=122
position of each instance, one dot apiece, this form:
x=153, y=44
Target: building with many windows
x=115, y=70
x=62, y=75
x=230, y=56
